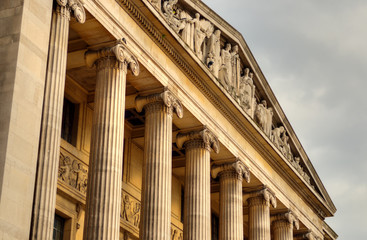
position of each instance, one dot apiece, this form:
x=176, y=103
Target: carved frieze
x=204, y=39
x=130, y=210
x=73, y=172
x=176, y=233
x=130, y=214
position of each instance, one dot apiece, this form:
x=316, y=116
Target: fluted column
x=105, y=168
x=49, y=147
x=230, y=197
x=259, y=214
x=282, y=225
x=157, y=171
x=197, y=182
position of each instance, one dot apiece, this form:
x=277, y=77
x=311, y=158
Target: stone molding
x=166, y=97
x=236, y=168
x=120, y=52
x=74, y=6
x=203, y=138
x=264, y=196
x=287, y=217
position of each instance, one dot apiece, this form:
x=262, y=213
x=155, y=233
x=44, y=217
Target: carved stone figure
x=126, y=208
x=173, y=17
x=247, y=93
x=64, y=168
x=264, y=117
x=203, y=28
x=188, y=30
x=225, y=72
x=214, y=60
x=81, y=182
x=136, y=214
x=236, y=71
x=276, y=136
x=286, y=149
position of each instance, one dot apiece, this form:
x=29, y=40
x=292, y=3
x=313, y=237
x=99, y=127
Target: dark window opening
x=215, y=227
x=69, y=122
x=58, y=232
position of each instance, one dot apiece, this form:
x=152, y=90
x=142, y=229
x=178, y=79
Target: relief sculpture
x=225, y=64
x=73, y=172
x=130, y=210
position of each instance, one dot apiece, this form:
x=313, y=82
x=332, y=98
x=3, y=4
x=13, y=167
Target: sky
x=314, y=55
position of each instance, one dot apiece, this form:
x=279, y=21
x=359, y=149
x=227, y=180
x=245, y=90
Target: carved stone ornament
x=209, y=139
x=288, y=217
x=267, y=195
x=73, y=172
x=166, y=97
x=118, y=51
x=76, y=7
x=236, y=167
x=176, y=233
x=204, y=39
x=130, y=210
x=307, y=236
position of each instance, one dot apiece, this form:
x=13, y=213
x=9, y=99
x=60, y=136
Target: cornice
x=266, y=89
x=201, y=84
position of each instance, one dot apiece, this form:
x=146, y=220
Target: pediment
x=223, y=54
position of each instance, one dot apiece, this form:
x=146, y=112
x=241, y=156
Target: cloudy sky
x=314, y=56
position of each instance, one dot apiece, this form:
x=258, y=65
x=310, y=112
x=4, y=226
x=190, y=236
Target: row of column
x=102, y=219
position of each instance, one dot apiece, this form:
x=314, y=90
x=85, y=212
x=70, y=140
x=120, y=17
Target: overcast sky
x=314, y=56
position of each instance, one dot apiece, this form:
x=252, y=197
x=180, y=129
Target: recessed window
x=215, y=227
x=69, y=125
x=58, y=232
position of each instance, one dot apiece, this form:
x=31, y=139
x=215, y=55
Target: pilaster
x=231, y=175
x=157, y=171
x=259, y=214
x=198, y=146
x=105, y=169
x=282, y=225
x=49, y=148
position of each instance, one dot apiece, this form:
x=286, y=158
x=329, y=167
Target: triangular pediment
x=223, y=54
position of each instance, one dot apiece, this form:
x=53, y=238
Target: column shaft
x=282, y=230
x=157, y=173
x=231, y=212
x=197, y=191
x=105, y=169
x=259, y=219
x=49, y=148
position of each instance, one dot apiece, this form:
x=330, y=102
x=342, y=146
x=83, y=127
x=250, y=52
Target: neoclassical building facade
x=145, y=119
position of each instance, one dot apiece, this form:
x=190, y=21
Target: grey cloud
x=314, y=55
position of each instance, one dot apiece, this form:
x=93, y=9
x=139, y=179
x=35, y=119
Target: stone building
x=144, y=119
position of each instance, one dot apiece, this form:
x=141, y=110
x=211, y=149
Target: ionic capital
x=166, y=97
x=76, y=7
x=119, y=51
x=288, y=217
x=307, y=236
x=232, y=167
x=204, y=136
x=265, y=196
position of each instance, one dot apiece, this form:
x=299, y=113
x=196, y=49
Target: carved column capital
x=166, y=97
x=76, y=7
x=119, y=52
x=204, y=136
x=307, y=236
x=236, y=168
x=288, y=217
x=264, y=196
